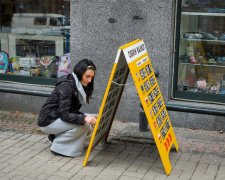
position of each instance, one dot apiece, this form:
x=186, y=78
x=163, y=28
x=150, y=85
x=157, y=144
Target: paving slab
x=129, y=154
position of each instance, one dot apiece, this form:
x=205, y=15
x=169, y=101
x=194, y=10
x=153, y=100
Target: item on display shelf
x=200, y=59
x=193, y=9
x=193, y=60
x=209, y=36
x=46, y=61
x=4, y=61
x=198, y=53
x=218, y=85
x=27, y=62
x=211, y=61
x=209, y=55
x=199, y=50
x=222, y=85
x=190, y=78
x=216, y=10
x=15, y=64
x=15, y=68
x=221, y=36
x=37, y=72
x=192, y=35
x=193, y=89
x=182, y=86
x=204, y=35
x=185, y=59
x=64, y=65
x=214, y=89
x=196, y=5
x=190, y=50
x=220, y=59
x=222, y=92
x=10, y=66
x=213, y=78
x=204, y=61
x=201, y=84
x=24, y=72
x=26, y=66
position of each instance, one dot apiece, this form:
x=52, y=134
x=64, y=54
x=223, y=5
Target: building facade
x=184, y=39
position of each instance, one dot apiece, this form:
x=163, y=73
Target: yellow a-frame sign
x=133, y=57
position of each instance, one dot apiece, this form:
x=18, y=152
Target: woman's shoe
x=51, y=137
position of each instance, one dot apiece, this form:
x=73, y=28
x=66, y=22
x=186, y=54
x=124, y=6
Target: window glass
x=40, y=20
x=54, y=22
x=200, y=54
x=34, y=38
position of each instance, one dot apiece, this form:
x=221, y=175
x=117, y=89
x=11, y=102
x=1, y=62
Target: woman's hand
x=90, y=120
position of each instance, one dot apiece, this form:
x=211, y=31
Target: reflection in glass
x=31, y=30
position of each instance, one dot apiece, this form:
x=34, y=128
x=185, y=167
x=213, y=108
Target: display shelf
x=206, y=65
x=202, y=14
x=204, y=40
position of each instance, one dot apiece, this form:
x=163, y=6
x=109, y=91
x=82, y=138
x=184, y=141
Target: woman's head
x=85, y=71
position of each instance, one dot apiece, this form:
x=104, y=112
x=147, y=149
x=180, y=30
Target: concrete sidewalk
x=129, y=155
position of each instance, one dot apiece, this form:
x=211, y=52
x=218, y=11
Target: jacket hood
x=68, y=78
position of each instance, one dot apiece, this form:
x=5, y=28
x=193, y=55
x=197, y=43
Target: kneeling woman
x=60, y=116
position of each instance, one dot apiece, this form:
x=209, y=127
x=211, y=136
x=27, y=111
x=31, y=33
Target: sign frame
x=133, y=57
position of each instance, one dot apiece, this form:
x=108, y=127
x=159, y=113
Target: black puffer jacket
x=63, y=103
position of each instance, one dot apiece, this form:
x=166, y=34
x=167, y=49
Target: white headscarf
x=82, y=94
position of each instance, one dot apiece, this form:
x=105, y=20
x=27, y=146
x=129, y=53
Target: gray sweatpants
x=70, y=138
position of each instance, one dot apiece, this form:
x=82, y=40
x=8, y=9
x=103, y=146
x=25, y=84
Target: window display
x=34, y=34
x=200, y=58
x=4, y=59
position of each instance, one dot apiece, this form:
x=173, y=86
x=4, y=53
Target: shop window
x=34, y=39
x=199, y=68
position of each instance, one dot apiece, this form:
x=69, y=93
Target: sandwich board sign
x=133, y=58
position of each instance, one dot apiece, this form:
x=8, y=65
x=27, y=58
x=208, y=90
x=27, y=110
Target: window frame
x=60, y=48
x=184, y=95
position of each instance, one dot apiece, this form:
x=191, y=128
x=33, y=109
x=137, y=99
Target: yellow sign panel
x=135, y=56
x=110, y=103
